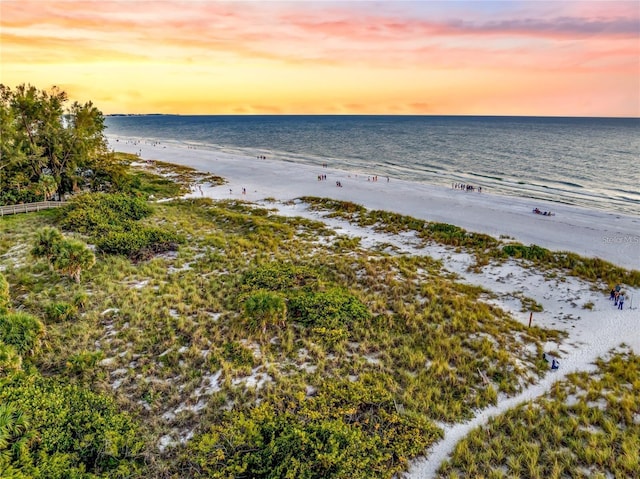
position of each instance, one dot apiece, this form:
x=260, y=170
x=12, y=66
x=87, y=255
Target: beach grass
x=399, y=347
x=484, y=247
x=587, y=426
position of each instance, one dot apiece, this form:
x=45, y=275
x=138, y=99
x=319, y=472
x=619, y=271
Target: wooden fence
x=29, y=207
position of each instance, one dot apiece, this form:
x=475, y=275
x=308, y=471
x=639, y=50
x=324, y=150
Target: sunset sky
x=569, y=58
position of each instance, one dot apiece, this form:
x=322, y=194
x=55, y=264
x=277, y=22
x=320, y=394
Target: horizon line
x=376, y=114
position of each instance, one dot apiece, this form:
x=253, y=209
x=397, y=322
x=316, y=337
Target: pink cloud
x=564, y=38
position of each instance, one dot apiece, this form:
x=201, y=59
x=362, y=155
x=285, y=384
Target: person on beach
x=555, y=364
x=616, y=297
x=612, y=295
x=620, y=300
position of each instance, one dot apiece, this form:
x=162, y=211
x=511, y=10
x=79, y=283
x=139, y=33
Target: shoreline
x=610, y=236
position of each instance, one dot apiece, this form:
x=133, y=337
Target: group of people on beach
x=538, y=211
x=617, y=296
x=465, y=187
x=261, y=157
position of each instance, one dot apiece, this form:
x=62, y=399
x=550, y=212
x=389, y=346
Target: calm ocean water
x=590, y=162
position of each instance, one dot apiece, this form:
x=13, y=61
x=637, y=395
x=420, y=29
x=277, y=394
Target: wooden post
x=530, y=318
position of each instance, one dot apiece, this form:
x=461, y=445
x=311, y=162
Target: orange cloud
x=212, y=57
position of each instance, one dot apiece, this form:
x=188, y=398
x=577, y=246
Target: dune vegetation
x=587, y=426
x=235, y=341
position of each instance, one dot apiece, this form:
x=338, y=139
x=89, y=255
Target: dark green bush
x=79, y=433
x=264, y=309
x=278, y=277
x=98, y=213
x=139, y=243
x=329, y=309
x=533, y=252
x=14, y=196
x=47, y=243
x=262, y=444
x=350, y=430
x=22, y=331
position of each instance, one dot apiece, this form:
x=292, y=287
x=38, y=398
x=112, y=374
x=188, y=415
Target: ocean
x=587, y=162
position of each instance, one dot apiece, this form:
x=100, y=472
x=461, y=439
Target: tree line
x=49, y=148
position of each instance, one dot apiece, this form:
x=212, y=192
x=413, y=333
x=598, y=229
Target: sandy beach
x=610, y=236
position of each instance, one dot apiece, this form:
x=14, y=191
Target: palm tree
x=72, y=257
x=14, y=438
x=47, y=186
x=47, y=243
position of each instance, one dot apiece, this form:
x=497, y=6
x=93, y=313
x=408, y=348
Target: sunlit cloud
x=317, y=57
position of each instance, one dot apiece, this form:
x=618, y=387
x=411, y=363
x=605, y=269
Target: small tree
x=47, y=186
x=47, y=243
x=67, y=256
x=72, y=257
x=264, y=309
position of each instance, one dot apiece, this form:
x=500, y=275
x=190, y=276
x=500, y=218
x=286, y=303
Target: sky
x=543, y=58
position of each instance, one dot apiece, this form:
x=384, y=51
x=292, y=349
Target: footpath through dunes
x=595, y=234
x=593, y=325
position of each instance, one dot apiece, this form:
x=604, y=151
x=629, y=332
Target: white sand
x=592, y=333
x=613, y=237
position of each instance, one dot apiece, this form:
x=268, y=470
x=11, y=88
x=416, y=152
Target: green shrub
x=10, y=361
x=238, y=354
x=264, y=309
x=47, y=243
x=84, y=363
x=22, y=331
x=263, y=444
x=79, y=433
x=72, y=257
x=139, y=243
x=349, y=430
x=533, y=252
x=67, y=256
x=14, y=442
x=329, y=309
x=278, y=277
x=60, y=311
x=98, y=213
